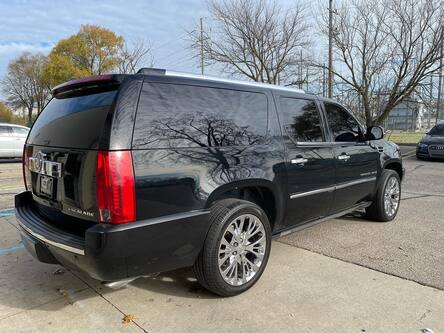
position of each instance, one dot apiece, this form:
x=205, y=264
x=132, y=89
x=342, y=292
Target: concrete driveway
x=347, y=275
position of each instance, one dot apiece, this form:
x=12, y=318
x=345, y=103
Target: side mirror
x=375, y=133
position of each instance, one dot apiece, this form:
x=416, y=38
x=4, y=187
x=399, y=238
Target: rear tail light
x=25, y=167
x=115, y=188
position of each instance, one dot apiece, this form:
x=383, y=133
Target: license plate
x=46, y=184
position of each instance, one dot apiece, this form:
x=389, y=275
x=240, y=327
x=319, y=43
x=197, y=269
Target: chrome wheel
x=242, y=249
x=391, y=196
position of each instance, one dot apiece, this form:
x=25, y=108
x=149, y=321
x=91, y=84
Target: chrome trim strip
x=322, y=219
x=53, y=243
x=355, y=182
x=304, y=194
x=332, y=188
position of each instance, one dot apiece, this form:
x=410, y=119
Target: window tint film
x=74, y=122
x=300, y=120
x=343, y=126
x=171, y=115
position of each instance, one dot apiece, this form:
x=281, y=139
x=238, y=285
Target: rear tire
x=236, y=249
x=387, y=199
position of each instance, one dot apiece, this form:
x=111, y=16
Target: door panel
x=357, y=163
x=310, y=160
x=310, y=183
x=356, y=172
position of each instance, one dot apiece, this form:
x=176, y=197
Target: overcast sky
x=37, y=25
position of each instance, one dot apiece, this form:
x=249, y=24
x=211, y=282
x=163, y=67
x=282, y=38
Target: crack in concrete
x=424, y=315
x=426, y=194
x=415, y=168
x=417, y=197
x=108, y=301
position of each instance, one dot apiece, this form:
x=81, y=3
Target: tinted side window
x=4, y=131
x=300, y=120
x=343, y=126
x=172, y=115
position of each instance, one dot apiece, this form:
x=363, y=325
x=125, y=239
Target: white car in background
x=12, y=139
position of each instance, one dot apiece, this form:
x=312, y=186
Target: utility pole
x=429, y=113
x=324, y=81
x=301, y=81
x=438, y=104
x=330, y=48
x=201, y=47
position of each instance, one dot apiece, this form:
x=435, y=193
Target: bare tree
x=24, y=84
x=209, y=135
x=386, y=48
x=256, y=39
x=130, y=58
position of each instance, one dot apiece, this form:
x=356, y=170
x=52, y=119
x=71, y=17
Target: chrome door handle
x=299, y=161
x=344, y=157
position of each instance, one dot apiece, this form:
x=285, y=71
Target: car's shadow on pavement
x=178, y=283
x=28, y=284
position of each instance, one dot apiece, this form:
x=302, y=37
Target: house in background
x=410, y=115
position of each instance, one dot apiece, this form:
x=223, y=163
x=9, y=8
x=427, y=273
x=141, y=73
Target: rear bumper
x=113, y=252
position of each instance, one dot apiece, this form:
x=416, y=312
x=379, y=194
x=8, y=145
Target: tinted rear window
x=171, y=115
x=74, y=122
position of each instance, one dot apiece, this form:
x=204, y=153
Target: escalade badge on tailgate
x=48, y=168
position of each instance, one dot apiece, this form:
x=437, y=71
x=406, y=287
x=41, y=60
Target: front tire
x=236, y=249
x=387, y=199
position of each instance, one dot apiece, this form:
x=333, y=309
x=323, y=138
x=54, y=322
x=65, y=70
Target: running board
x=322, y=219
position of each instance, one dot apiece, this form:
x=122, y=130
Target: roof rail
x=159, y=71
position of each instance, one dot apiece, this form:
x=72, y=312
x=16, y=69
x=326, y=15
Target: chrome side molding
x=333, y=188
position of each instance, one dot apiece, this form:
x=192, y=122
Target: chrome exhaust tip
x=118, y=284
x=123, y=283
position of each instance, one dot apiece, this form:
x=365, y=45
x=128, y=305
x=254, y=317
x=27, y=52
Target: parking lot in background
x=349, y=274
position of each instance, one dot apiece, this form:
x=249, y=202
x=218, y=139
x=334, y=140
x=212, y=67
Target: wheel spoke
x=250, y=246
x=391, y=196
x=242, y=249
x=226, y=243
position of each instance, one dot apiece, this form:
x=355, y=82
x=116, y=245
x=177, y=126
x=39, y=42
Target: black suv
x=127, y=175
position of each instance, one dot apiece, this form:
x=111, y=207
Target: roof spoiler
x=152, y=71
x=87, y=82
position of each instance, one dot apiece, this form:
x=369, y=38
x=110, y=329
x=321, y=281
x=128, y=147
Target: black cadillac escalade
x=127, y=175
